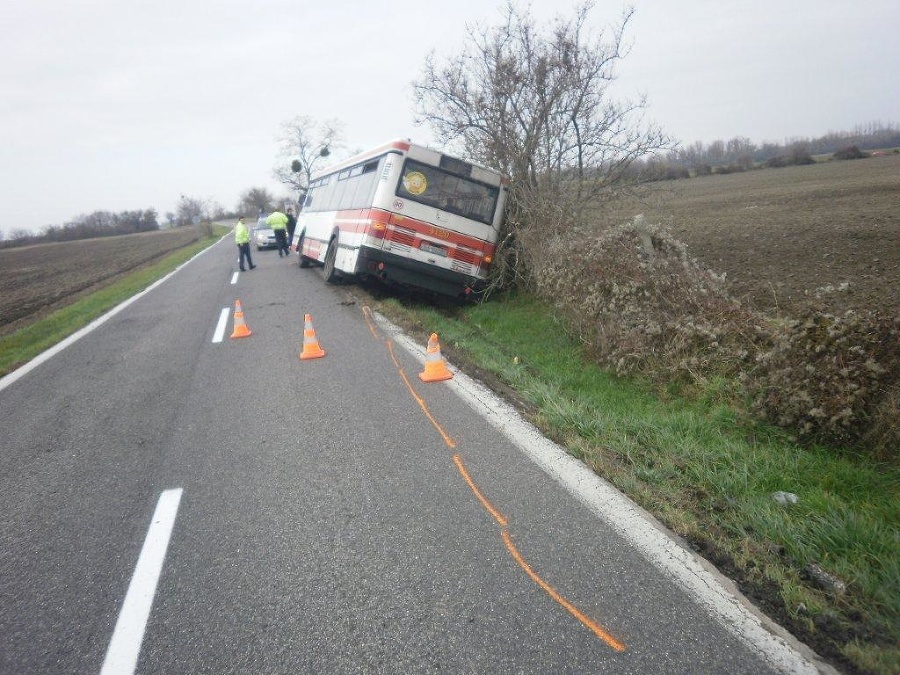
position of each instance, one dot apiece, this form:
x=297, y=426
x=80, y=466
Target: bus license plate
x=431, y=248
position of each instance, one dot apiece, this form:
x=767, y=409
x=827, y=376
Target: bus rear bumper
x=393, y=269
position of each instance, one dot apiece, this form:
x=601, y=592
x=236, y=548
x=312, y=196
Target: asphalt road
x=334, y=515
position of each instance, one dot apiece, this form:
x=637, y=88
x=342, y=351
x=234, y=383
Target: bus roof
x=401, y=146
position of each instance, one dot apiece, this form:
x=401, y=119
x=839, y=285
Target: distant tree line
x=741, y=154
x=189, y=211
x=96, y=224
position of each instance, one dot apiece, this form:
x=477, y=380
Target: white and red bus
x=403, y=214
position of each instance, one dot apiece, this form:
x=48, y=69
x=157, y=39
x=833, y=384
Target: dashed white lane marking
x=220, y=327
x=234, y=278
x=125, y=645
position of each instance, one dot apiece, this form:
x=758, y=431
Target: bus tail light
x=377, y=229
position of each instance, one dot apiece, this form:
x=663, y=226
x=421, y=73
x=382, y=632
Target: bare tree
x=305, y=145
x=537, y=106
x=800, y=153
x=739, y=151
x=20, y=233
x=256, y=200
x=191, y=210
x=695, y=157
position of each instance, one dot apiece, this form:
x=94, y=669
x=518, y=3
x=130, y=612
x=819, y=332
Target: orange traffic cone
x=311, y=348
x=240, y=328
x=435, y=367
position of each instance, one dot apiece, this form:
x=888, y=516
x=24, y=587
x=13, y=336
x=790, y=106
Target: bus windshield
x=448, y=192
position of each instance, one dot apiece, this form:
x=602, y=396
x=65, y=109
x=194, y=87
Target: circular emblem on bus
x=415, y=182
x=398, y=204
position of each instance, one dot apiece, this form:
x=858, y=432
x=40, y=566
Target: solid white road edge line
x=697, y=577
x=96, y=323
x=220, y=327
x=125, y=645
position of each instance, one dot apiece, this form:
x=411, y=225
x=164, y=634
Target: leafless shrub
x=643, y=306
x=834, y=379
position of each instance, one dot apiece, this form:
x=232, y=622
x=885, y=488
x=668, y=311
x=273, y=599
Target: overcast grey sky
x=128, y=104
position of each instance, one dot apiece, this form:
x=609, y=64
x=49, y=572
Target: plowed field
x=785, y=236
x=35, y=280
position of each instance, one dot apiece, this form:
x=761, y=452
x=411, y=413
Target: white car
x=263, y=236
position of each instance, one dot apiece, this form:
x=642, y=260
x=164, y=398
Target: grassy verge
x=709, y=476
x=23, y=345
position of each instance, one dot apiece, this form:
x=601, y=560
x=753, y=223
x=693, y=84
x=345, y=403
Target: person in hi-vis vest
x=242, y=239
x=278, y=222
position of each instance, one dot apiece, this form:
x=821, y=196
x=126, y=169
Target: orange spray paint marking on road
x=449, y=441
x=499, y=517
x=501, y=520
x=585, y=620
x=367, y=315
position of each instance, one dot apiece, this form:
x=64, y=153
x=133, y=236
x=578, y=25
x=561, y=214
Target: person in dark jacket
x=291, y=226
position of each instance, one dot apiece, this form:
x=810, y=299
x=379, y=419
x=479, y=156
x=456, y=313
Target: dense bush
x=644, y=307
x=850, y=152
x=834, y=379
x=780, y=161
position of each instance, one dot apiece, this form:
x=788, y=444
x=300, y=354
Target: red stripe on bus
x=365, y=217
x=438, y=233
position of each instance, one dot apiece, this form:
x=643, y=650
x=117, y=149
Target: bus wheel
x=304, y=261
x=329, y=271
